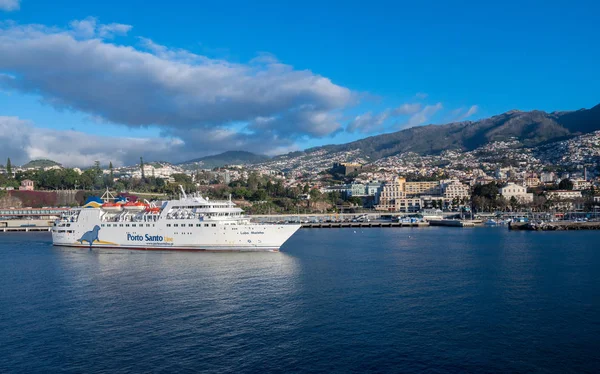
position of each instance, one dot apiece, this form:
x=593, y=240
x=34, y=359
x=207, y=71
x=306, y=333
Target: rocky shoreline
x=555, y=226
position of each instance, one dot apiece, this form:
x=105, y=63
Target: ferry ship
x=188, y=223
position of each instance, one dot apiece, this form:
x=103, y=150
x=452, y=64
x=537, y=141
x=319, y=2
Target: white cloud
x=472, y=110
x=461, y=114
x=89, y=28
x=85, y=28
x=405, y=109
x=173, y=89
x=22, y=141
x=369, y=122
x=423, y=115
x=10, y=5
x=108, y=31
x=421, y=95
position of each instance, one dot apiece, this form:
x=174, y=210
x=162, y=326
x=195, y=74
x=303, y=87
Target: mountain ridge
x=531, y=128
x=226, y=158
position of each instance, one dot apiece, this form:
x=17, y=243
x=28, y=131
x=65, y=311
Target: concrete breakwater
x=555, y=226
x=454, y=222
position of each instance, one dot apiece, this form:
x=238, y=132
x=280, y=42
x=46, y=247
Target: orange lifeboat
x=111, y=207
x=153, y=210
x=137, y=206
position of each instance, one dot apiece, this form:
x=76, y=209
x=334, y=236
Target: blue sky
x=280, y=75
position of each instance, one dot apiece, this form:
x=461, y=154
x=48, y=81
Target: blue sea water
x=440, y=300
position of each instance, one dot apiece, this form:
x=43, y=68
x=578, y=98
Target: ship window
x=133, y=225
x=120, y=225
x=198, y=225
x=190, y=225
x=176, y=225
x=61, y=230
x=147, y=225
x=168, y=225
x=214, y=225
x=206, y=225
x=102, y=225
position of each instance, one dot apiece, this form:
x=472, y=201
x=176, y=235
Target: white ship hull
x=205, y=226
x=220, y=238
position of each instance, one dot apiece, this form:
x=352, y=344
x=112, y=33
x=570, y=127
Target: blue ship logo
x=90, y=236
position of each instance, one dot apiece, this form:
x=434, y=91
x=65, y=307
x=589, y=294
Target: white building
x=563, y=194
x=581, y=184
x=454, y=189
x=548, y=177
x=516, y=191
x=391, y=194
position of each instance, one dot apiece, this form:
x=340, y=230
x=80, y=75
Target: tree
x=87, y=179
x=269, y=188
x=253, y=181
x=355, y=200
x=502, y=203
x=142, y=167
x=259, y=195
x=489, y=190
x=315, y=194
x=514, y=203
x=565, y=184
x=279, y=189
x=334, y=196
x=9, y=167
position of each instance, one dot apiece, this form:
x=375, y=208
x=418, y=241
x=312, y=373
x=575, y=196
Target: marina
x=43, y=222
x=322, y=225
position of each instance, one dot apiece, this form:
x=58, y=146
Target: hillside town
x=503, y=175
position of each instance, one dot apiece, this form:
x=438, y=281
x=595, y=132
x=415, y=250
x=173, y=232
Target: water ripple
x=438, y=300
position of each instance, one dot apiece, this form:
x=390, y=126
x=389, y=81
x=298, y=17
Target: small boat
x=490, y=222
x=137, y=206
x=112, y=207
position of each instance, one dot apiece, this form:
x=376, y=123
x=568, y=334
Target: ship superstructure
x=191, y=222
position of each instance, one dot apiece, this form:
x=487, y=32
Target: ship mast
x=107, y=196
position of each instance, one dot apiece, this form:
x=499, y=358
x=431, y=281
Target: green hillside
x=42, y=163
x=226, y=158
